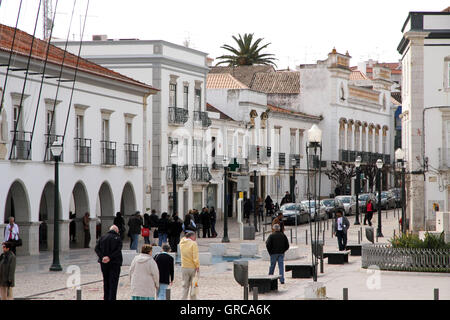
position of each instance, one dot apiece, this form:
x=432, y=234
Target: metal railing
x=82, y=150
x=178, y=115
x=108, y=152
x=200, y=173
x=49, y=140
x=182, y=173
x=131, y=154
x=22, y=148
x=202, y=117
x=366, y=157
x=386, y=257
x=280, y=160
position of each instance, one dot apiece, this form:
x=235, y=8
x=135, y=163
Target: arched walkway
x=106, y=208
x=81, y=206
x=46, y=216
x=128, y=200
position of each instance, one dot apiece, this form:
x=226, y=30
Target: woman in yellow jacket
x=190, y=263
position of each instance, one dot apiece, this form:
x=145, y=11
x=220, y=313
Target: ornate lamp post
x=357, y=186
x=174, y=160
x=379, y=167
x=315, y=144
x=293, y=163
x=225, y=200
x=56, y=150
x=400, y=156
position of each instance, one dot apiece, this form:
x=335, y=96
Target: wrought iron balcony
x=82, y=150
x=108, y=152
x=178, y=116
x=200, y=173
x=182, y=173
x=22, y=147
x=366, y=157
x=49, y=140
x=131, y=154
x=201, y=116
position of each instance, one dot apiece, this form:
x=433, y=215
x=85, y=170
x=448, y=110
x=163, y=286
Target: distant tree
x=247, y=53
x=341, y=173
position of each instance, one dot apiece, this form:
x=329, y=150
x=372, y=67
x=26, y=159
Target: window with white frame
x=172, y=95
x=342, y=135
x=185, y=97
x=293, y=142
x=105, y=129
x=357, y=137
x=349, y=136
x=79, y=126
x=198, y=99
x=370, y=140
x=377, y=140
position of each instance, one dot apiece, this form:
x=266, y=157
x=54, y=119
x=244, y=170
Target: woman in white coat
x=144, y=275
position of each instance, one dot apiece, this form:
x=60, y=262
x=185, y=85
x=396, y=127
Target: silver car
x=291, y=210
x=349, y=204
x=321, y=214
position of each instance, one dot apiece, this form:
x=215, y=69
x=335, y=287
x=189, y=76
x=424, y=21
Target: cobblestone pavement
x=35, y=281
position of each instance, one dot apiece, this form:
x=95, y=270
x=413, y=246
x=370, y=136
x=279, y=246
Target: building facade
x=98, y=117
x=426, y=115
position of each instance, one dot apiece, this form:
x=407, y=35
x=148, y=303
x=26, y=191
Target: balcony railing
x=22, y=148
x=182, y=173
x=82, y=150
x=366, y=157
x=201, y=116
x=131, y=154
x=200, y=173
x=280, y=160
x=108, y=152
x=178, y=116
x=49, y=140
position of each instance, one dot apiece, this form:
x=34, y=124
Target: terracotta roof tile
x=243, y=74
x=223, y=81
x=281, y=82
x=22, y=44
x=286, y=111
x=358, y=75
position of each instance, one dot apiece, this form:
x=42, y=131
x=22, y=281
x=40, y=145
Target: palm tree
x=247, y=53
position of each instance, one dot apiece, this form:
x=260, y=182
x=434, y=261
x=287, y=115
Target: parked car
x=397, y=192
x=321, y=214
x=331, y=206
x=349, y=203
x=363, y=197
x=290, y=211
x=387, y=200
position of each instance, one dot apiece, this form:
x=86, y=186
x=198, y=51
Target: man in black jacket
x=154, y=221
x=109, y=252
x=277, y=244
x=166, y=270
x=135, y=223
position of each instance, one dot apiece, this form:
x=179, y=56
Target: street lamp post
x=174, y=159
x=293, y=163
x=379, y=166
x=400, y=156
x=225, y=202
x=255, y=193
x=56, y=150
x=314, y=143
x=357, y=186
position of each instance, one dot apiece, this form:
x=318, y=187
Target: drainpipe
x=144, y=148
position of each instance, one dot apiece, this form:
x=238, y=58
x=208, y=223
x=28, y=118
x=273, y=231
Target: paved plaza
x=35, y=281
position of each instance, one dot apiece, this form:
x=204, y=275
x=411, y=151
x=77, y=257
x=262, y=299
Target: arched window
x=364, y=138
x=377, y=139
x=370, y=138
x=357, y=136
x=384, y=140
x=342, y=123
x=350, y=135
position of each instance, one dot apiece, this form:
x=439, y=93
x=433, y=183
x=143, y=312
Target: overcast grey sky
x=299, y=31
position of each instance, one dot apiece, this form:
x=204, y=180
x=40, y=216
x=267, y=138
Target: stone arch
x=80, y=205
x=46, y=216
x=128, y=200
x=105, y=208
x=342, y=123
x=17, y=203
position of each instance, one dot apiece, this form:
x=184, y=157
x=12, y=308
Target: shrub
x=409, y=240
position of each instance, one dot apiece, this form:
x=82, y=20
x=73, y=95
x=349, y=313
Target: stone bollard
x=436, y=294
x=345, y=294
x=255, y=293
x=79, y=294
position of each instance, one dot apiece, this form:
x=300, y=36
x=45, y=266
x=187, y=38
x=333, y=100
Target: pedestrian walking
x=12, y=234
x=72, y=227
x=190, y=264
x=269, y=206
x=213, y=214
x=109, y=252
x=189, y=224
x=277, y=244
x=205, y=217
x=340, y=230
x=120, y=223
x=146, y=228
x=175, y=228
x=154, y=220
x=144, y=275
x=286, y=199
x=278, y=220
x=86, y=228
x=248, y=208
x=134, y=231
x=165, y=264
x=7, y=271
x=369, y=212
x=163, y=227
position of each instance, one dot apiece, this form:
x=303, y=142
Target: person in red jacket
x=369, y=212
